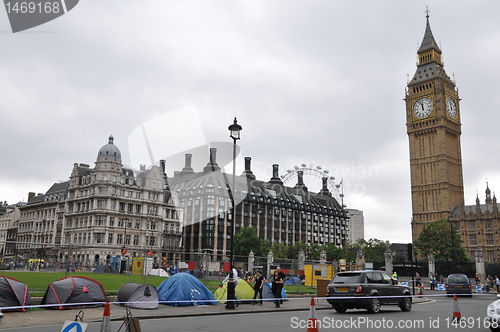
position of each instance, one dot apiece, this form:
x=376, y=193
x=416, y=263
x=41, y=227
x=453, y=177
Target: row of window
x=489, y=239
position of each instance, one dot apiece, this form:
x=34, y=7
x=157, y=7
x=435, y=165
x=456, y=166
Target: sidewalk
x=42, y=317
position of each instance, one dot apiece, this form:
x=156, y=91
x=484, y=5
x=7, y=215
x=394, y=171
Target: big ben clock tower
x=434, y=129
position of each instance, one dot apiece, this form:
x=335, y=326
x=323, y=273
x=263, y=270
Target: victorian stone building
x=102, y=211
x=478, y=226
x=105, y=209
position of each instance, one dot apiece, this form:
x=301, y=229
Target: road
x=433, y=315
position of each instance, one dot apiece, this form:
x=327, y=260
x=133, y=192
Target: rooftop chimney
x=212, y=164
x=187, y=165
x=324, y=190
x=276, y=177
x=248, y=172
x=300, y=181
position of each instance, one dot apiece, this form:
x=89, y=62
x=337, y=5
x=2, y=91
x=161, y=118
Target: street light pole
x=234, y=130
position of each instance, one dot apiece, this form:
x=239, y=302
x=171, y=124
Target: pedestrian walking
x=418, y=280
x=235, y=280
x=276, y=287
x=497, y=284
x=257, y=287
x=283, y=277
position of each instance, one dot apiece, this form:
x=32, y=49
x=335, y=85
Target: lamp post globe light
x=234, y=130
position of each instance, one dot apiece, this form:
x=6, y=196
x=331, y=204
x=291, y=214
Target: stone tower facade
x=434, y=129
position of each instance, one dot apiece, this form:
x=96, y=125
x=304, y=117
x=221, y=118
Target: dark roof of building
x=257, y=190
x=428, y=72
x=431, y=70
x=428, y=42
x=483, y=208
x=55, y=192
x=109, y=150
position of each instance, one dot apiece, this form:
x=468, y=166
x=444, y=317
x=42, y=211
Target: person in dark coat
x=257, y=286
x=277, y=286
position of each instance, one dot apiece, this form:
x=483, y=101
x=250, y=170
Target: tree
x=280, y=250
x=373, y=250
x=441, y=239
x=296, y=248
x=246, y=241
x=333, y=252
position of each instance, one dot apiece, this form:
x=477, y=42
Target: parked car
x=493, y=315
x=367, y=290
x=458, y=283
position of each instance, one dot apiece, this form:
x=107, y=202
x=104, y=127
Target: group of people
x=277, y=282
x=492, y=283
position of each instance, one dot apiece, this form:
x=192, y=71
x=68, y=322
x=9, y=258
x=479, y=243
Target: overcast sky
x=311, y=82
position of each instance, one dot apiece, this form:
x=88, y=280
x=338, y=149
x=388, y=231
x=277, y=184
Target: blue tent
x=293, y=281
x=267, y=291
x=182, y=289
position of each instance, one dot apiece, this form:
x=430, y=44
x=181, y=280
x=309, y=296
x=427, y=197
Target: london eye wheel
x=313, y=177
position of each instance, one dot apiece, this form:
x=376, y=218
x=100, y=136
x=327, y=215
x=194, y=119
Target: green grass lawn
x=39, y=281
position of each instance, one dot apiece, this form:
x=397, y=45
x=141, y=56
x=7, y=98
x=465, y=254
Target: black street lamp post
x=234, y=130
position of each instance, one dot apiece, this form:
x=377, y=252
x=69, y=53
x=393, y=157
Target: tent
x=158, y=273
x=137, y=296
x=79, y=292
x=293, y=281
x=13, y=293
x=182, y=289
x=243, y=291
x=267, y=291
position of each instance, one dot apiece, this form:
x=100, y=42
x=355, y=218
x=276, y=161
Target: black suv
x=367, y=290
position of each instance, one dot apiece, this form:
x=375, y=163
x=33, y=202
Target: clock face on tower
x=451, y=107
x=422, y=108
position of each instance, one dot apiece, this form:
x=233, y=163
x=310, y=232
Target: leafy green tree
x=441, y=239
x=296, y=248
x=280, y=250
x=246, y=241
x=373, y=250
x=314, y=251
x=333, y=252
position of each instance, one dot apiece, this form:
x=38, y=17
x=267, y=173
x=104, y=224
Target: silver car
x=493, y=315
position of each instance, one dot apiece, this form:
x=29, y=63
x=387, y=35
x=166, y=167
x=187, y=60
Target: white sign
x=71, y=326
x=479, y=289
x=213, y=266
x=440, y=286
x=183, y=265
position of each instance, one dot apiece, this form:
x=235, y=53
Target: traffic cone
x=421, y=290
x=456, y=310
x=312, y=322
x=106, y=319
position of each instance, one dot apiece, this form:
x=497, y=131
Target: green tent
x=243, y=291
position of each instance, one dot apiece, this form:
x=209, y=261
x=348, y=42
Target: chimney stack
x=276, y=178
x=300, y=181
x=187, y=165
x=212, y=164
x=324, y=190
x=248, y=172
